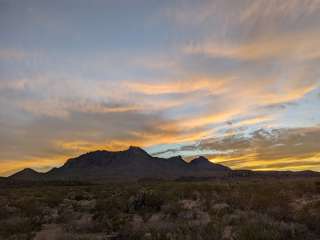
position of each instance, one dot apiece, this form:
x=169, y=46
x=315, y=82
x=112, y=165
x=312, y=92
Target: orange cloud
x=210, y=118
x=182, y=86
x=279, y=149
x=289, y=46
x=62, y=108
x=253, y=121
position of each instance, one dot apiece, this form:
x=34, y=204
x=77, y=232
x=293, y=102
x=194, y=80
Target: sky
x=237, y=81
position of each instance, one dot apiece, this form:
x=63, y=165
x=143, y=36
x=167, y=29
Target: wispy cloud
x=293, y=47
x=164, y=75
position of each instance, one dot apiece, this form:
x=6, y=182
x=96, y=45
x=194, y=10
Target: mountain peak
x=203, y=163
x=27, y=173
x=28, y=170
x=137, y=150
x=200, y=159
x=179, y=157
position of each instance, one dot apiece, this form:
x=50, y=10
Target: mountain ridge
x=133, y=162
x=136, y=163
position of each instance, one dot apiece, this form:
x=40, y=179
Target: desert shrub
x=186, y=191
x=211, y=231
x=207, y=200
x=252, y=209
x=110, y=223
x=310, y=216
x=276, y=204
x=17, y=225
x=146, y=200
x=258, y=232
x=110, y=206
x=185, y=231
x=4, y=212
x=267, y=198
x=220, y=209
x=263, y=228
x=172, y=209
x=29, y=207
x=317, y=185
x=154, y=200
x=109, y=214
x=54, y=198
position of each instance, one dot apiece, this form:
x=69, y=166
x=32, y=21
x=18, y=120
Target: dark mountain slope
x=135, y=163
x=201, y=163
x=27, y=174
x=131, y=163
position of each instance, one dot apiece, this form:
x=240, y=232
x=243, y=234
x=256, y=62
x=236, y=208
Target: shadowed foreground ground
x=239, y=210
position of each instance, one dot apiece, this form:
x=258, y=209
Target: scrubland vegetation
x=229, y=210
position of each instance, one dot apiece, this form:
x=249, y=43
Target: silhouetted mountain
x=131, y=163
x=27, y=174
x=135, y=163
x=201, y=163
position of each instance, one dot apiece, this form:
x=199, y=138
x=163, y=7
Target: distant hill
x=135, y=163
x=201, y=163
x=26, y=174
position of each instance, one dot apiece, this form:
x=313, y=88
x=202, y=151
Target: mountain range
x=135, y=163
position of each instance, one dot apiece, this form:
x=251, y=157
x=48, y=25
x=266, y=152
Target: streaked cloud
x=178, y=87
x=295, y=47
x=205, y=75
x=264, y=149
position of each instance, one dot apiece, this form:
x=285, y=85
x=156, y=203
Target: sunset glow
x=237, y=81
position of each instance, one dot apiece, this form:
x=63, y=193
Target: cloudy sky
x=235, y=80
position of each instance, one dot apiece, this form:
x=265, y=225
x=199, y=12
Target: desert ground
x=253, y=209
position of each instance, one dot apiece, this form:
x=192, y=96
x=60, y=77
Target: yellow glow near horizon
x=210, y=76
